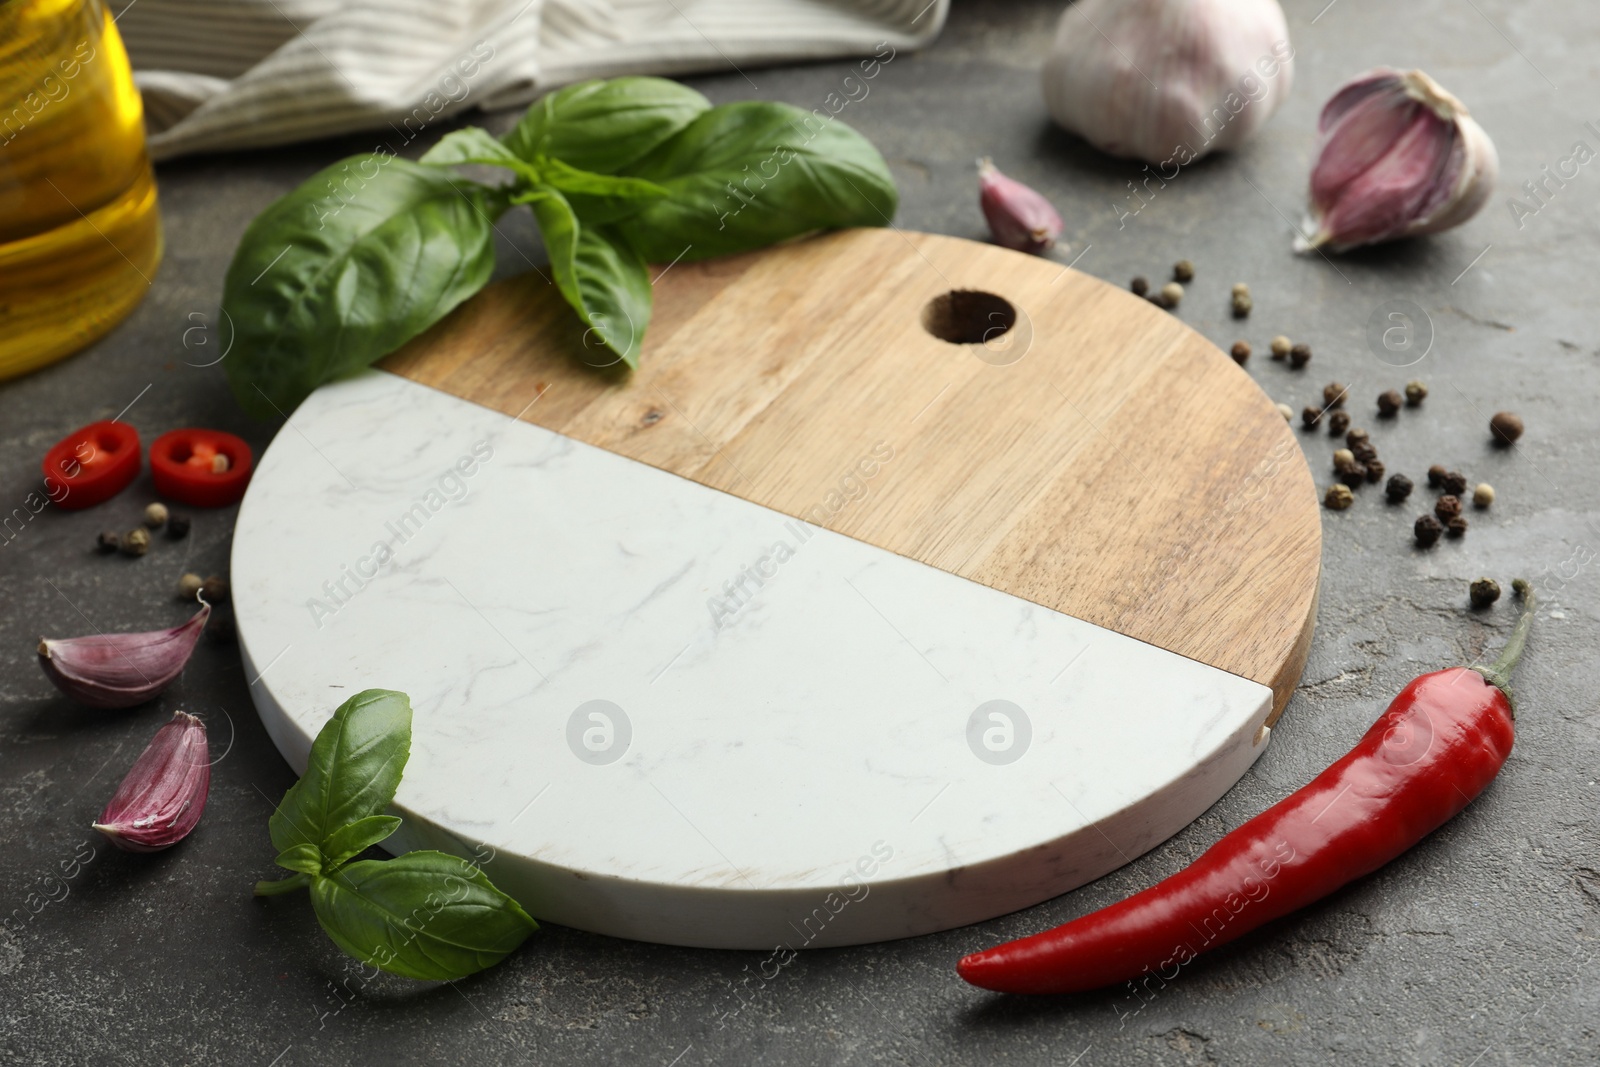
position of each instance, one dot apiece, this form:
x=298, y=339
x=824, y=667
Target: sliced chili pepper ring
x=91, y=464
x=185, y=467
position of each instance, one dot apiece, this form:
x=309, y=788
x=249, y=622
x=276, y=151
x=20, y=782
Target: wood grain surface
x=1099, y=457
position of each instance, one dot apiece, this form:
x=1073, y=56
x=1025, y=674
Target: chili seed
x=1447, y=507
x=1241, y=352
x=1375, y=471
x=1140, y=285
x=1287, y=412
x=1280, y=346
x=1505, y=427
x=1398, y=489
x=215, y=590
x=1333, y=395
x=1388, y=403
x=178, y=527
x=1454, y=482
x=1338, y=423
x=1456, y=527
x=1483, y=495
x=1483, y=592
x=188, y=586
x=1173, y=292
x=1310, y=415
x=1338, y=497
x=1427, y=531
x=1436, y=476
x=1183, y=271
x=108, y=542
x=136, y=542
x=155, y=515
x=1416, y=393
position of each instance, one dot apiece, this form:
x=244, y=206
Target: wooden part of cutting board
x=1099, y=458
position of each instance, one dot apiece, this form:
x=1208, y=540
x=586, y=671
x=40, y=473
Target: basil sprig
x=421, y=915
x=372, y=251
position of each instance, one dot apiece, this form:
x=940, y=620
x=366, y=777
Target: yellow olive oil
x=80, y=237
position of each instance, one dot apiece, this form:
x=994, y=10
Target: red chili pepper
x=1439, y=744
x=91, y=464
x=186, y=467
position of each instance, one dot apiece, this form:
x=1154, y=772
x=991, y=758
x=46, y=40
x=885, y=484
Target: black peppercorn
x=1398, y=489
x=1140, y=285
x=178, y=527
x=223, y=630
x=1456, y=527
x=1183, y=271
x=1389, y=403
x=1333, y=395
x=1436, y=475
x=1454, y=482
x=1241, y=352
x=1357, y=434
x=1299, y=355
x=1354, y=476
x=1343, y=460
x=108, y=542
x=1483, y=592
x=1338, y=423
x=1374, y=471
x=215, y=590
x=1427, y=531
x=1310, y=416
x=1161, y=300
x=1365, y=451
x=1447, y=507
x=1505, y=428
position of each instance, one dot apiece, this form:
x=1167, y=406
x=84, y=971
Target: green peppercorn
x=1483, y=592
x=1427, y=531
x=1398, y=489
x=136, y=542
x=1416, y=393
x=1338, y=497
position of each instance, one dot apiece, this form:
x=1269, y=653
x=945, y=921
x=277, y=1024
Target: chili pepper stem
x=1499, y=672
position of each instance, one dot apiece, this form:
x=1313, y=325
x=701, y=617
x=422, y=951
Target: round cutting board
x=908, y=582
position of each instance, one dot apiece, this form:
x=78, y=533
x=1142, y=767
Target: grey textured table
x=1477, y=947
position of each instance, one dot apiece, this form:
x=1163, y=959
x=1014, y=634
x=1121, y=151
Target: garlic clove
x=1019, y=217
x=164, y=793
x=1400, y=157
x=120, y=670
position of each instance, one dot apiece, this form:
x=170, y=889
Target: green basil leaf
x=348, y=267
x=350, y=841
x=355, y=767
x=559, y=175
x=421, y=915
x=600, y=275
x=745, y=176
x=304, y=858
x=475, y=145
x=603, y=126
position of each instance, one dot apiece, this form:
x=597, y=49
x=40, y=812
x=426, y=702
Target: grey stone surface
x=1475, y=948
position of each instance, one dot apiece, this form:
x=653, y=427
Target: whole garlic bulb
x=1168, y=81
x=1400, y=157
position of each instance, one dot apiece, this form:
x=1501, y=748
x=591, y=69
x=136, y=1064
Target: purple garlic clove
x=120, y=670
x=1400, y=157
x=161, y=798
x=1019, y=217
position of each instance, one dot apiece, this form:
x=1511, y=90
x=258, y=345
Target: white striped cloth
x=220, y=74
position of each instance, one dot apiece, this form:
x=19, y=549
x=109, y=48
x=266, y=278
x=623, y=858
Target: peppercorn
x=136, y=541
x=1357, y=434
x=1505, y=428
x=1299, y=356
x=1355, y=476
x=1241, y=289
x=178, y=527
x=1280, y=346
x=1183, y=271
x=1483, y=495
x=1242, y=306
x=223, y=630
x=1457, y=527
x=1338, y=423
x=108, y=542
x=188, y=586
x=1483, y=592
x=1343, y=459
x=1310, y=415
x=1140, y=285
x=215, y=590
x=1333, y=395
x=1426, y=531
x=1160, y=300
x=1338, y=497
x=1454, y=482
x=1436, y=476
x=1286, y=411
x=1365, y=451
x=1447, y=507
x=1416, y=393
x=1241, y=352
x=155, y=515
x=1173, y=293
x=1374, y=471
x=1388, y=403
x=1398, y=489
